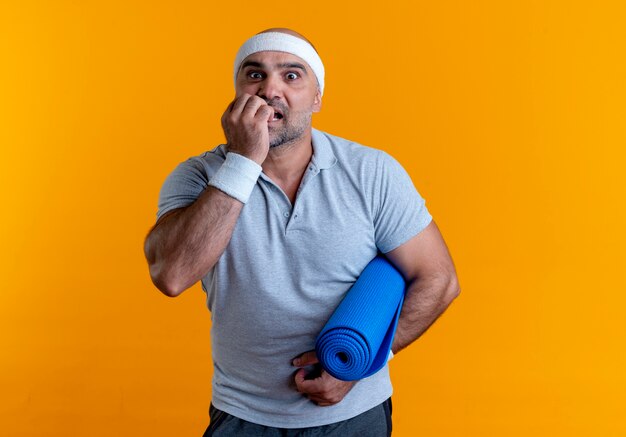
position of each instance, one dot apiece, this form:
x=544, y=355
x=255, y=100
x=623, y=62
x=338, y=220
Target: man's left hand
x=324, y=390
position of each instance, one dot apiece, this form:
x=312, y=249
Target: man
x=278, y=223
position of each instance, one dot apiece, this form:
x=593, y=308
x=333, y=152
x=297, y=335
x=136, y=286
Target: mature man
x=278, y=223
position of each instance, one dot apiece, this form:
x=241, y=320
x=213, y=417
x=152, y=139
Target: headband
x=282, y=42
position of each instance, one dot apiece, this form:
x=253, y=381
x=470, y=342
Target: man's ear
x=317, y=101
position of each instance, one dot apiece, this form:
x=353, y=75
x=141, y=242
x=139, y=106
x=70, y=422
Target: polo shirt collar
x=323, y=156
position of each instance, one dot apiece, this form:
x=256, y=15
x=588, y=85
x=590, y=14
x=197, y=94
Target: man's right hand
x=245, y=127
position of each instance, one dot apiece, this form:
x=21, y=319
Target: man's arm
x=187, y=242
x=432, y=284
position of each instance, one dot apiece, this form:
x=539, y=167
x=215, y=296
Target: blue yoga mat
x=356, y=340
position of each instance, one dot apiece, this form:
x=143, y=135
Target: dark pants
x=373, y=423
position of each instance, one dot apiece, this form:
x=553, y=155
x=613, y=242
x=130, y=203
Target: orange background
x=509, y=116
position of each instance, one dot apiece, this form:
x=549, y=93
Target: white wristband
x=237, y=176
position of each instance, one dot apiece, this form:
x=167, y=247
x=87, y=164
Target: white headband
x=282, y=42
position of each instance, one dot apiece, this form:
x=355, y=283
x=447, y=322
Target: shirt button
x=295, y=216
x=286, y=214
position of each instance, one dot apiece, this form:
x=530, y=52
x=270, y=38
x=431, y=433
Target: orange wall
x=509, y=116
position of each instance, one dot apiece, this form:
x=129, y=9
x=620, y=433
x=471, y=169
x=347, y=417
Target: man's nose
x=270, y=88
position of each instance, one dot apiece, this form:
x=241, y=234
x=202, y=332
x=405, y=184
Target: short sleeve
x=183, y=186
x=400, y=212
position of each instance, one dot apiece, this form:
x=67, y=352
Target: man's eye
x=255, y=75
x=292, y=76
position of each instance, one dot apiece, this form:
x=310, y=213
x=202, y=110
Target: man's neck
x=288, y=162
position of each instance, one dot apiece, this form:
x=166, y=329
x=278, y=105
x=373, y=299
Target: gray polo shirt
x=287, y=267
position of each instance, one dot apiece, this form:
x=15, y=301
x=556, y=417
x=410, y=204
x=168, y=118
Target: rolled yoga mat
x=356, y=340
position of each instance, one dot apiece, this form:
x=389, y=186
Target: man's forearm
x=184, y=247
x=425, y=300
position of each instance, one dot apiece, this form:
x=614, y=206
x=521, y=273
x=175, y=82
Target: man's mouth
x=277, y=115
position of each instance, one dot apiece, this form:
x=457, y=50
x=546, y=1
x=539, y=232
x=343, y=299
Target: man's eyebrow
x=284, y=65
x=293, y=65
x=252, y=64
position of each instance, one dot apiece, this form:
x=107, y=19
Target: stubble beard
x=289, y=133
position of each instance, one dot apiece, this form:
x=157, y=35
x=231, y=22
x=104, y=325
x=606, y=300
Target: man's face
x=288, y=85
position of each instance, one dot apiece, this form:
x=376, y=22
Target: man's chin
x=284, y=137
x=277, y=140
